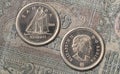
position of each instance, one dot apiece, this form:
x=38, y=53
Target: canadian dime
x=82, y=48
x=37, y=23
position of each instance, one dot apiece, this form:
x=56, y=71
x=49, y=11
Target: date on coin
x=82, y=48
x=37, y=23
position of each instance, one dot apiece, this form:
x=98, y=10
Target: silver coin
x=37, y=23
x=82, y=48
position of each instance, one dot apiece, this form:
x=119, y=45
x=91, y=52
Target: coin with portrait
x=37, y=23
x=82, y=48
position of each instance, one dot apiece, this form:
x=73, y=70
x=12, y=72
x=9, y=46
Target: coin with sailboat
x=37, y=23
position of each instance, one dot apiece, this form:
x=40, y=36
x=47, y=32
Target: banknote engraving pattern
x=107, y=11
x=65, y=20
x=112, y=60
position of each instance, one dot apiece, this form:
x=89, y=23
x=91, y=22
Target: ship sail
x=39, y=23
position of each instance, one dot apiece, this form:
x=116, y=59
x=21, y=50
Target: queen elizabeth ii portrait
x=81, y=47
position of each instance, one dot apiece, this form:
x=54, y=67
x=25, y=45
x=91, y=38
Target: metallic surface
x=82, y=48
x=37, y=23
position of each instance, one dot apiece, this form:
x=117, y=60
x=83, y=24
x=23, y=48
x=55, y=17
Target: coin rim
x=51, y=38
x=92, y=65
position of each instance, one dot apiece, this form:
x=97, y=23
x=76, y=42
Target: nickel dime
x=82, y=48
x=37, y=23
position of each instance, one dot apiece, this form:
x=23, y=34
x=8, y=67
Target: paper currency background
x=18, y=57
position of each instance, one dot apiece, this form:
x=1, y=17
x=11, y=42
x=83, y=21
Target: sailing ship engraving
x=40, y=22
x=37, y=23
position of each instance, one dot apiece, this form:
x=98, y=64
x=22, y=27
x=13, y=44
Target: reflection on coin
x=37, y=23
x=82, y=48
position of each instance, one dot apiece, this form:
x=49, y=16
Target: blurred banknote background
x=18, y=57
